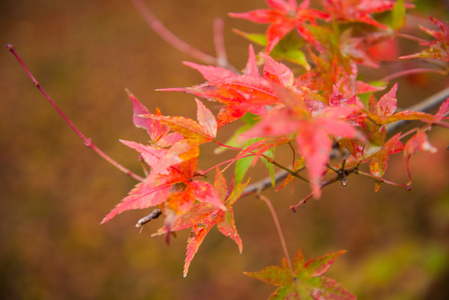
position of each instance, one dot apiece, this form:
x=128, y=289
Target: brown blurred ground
x=54, y=192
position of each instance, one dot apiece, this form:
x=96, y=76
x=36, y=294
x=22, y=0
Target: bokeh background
x=54, y=191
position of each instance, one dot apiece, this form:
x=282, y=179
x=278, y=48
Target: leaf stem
x=293, y=173
x=412, y=38
x=227, y=146
x=279, y=230
x=264, y=183
x=412, y=71
x=230, y=161
x=301, y=202
x=405, y=186
x=341, y=176
x=270, y=160
x=87, y=141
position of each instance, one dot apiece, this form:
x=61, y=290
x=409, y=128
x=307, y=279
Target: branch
x=87, y=141
x=220, y=49
x=169, y=37
x=412, y=71
x=265, y=183
x=154, y=215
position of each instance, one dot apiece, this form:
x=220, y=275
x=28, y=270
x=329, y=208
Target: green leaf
x=250, y=118
x=398, y=15
x=289, y=48
x=258, y=38
x=306, y=281
x=241, y=167
x=234, y=140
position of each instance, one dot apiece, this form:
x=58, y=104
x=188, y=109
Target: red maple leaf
x=175, y=193
x=199, y=132
x=157, y=131
x=172, y=182
x=379, y=161
x=203, y=217
x=240, y=94
x=384, y=110
x=416, y=143
x=328, y=74
x=306, y=280
x=283, y=17
x=313, y=131
x=438, y=48
x=355, y=49
x=358, y=10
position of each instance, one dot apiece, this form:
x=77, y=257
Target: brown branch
x=154, y=215
x=265, y=183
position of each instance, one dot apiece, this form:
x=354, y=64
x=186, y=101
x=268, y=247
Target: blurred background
x=54, y=191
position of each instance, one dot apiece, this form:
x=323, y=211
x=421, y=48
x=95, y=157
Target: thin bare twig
x=220, y=49
x=87, y=141
x=412, y=71
x=154, y=215
x=279, y=230
x=265, y=183
x=169, y=37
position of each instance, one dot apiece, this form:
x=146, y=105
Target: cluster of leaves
x=318, y=106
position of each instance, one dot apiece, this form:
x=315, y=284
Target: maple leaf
x=170, y=184
x=256, y=149
x=283, y=17
x=384, y=110
x=313, y=131
x=379, y=162
x=210, y=72
x=200, y=132
x=203, y=217
x=438, y=48
x=288, y=47
x=329, y=73
x=172, y=160
x=416, y=143
x=385, y=50
x=323, y=77
x=387, y=104
x=305, y=281
x=161, y=159
x=359, y=10
x=355, y=49
x=156, y=130
x=241, y=94
x=339, y=99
